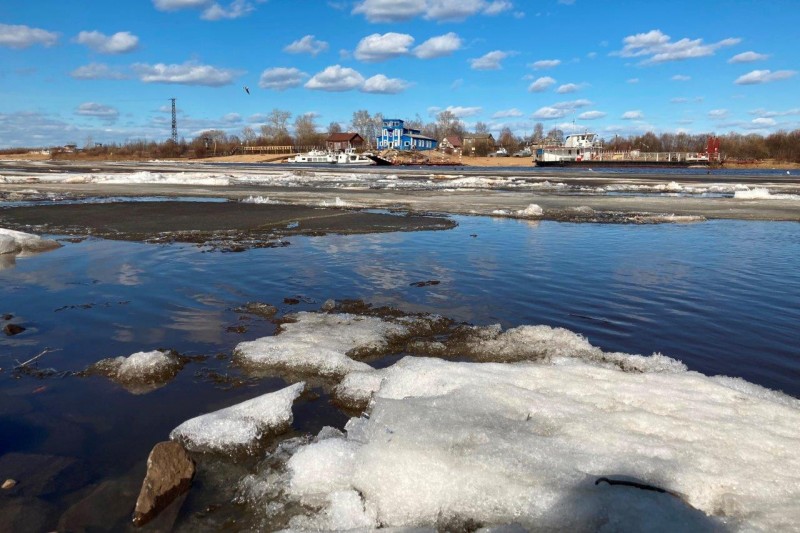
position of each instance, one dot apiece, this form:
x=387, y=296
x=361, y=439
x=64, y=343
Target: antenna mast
x=174, y=123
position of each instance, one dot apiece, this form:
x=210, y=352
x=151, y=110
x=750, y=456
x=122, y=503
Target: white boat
x=316, y=157
x=313, y=157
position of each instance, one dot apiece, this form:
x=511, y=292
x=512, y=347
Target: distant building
x=451, y=144
x=343, y=141
x=395, y=135
x=478, y=143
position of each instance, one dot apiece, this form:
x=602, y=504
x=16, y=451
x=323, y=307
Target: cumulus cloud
x=560, y=110
x=336, y=78
x=764, y=76
x=541, y=84
x=765, y=113
x=463, y=112
x=657, y=47
x=189, y=73
x=718, y=114
x=281, y=78
x=380, y=84
x=633, y=80
x=748, y=57
x=508, y=113
x=545, y=63
x=119, y=43
x=307, y=45
x=97, y=71
x=764, y=122
x=490, y=61
x=568, y=88
x=681, y=77
x=591, y=115
x=92, y=109
x=632, y=115
x=25, y=36
x=440, y=10
x=440, y=46
x=381, y=47
x=211, y=10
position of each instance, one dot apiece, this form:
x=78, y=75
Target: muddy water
x=721, y=296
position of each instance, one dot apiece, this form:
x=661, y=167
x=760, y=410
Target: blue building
x=396, y=135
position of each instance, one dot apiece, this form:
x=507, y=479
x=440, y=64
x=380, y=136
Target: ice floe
x=20, y=243
x=321, y=343
x=762, y=193
x=491, y=444
x=141, y=372
x=242, y=426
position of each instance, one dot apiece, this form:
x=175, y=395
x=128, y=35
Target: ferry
x=586, y=150
x=347, y=157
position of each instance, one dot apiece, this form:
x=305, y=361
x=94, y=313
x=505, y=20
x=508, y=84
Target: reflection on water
x=721, y=296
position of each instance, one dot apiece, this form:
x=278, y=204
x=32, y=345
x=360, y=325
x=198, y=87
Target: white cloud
x=560, y=110
x=119, y=43
x=592, y=115
x=211, y=10
x=679, y=100
x=336, y=79
x=490, y=61
x=764, y=76
x=568, y=88
x=440, y=46
x=307, y=45
x=232, y=118
x=508, y=113
x=189, y=73
x=25, y=36
x=545, y=63
x=380, y=47
x=440, y=10
x=633, y=80
x=281, y=78
x=463, y=112
x=718, y=114
x=92, y=109
x=764, y=122
x=632, y=115
x=748, y=57
x=380, y=84
x=764, y=113
x=681, y=77
x=97, y=71
x=658, y=47
x=541, y=84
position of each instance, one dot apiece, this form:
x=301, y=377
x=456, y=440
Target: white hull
x=318, y=157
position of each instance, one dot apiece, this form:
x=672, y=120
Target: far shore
x=279, y=158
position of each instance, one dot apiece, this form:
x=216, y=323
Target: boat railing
x=656, y=157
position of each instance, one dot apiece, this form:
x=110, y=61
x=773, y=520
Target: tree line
x=279, y=129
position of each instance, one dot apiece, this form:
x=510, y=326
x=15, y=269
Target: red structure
x=712, y=149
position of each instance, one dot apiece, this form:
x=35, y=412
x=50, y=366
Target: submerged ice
x=20, y=243
x=523, y=442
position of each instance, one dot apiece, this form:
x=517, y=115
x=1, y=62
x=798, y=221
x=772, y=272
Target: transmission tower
x=174, y=122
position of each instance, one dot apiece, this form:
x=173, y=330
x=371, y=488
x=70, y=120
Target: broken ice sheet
x=141, y=372
x=492, y=444
x=242, y=426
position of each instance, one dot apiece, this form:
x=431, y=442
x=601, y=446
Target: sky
x=90, y=71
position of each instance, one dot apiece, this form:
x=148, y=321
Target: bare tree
x=249, y=135
x=305, y=130
x=481, y=127
x=538, y=133
x=334, y=127
x=276, y=130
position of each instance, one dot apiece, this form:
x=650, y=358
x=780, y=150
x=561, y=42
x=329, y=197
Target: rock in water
x=169, y=474
x=13, y=329
x=9, y=484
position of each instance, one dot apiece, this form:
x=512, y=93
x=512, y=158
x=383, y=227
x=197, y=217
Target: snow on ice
x=141, y=372
x=20, y=243
x=455, y=444
x=240, y=427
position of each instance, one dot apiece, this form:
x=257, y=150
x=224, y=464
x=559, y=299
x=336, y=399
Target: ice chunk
x=533, y=210
x=320, y=342
x=20, y=243
x=493, y=444
x=762, y=193
x=240, y=427
x=141, y=372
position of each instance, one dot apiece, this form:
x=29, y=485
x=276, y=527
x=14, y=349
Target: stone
x=329, y=305
x=13, y=329
x=9, y=484
x=170, y=471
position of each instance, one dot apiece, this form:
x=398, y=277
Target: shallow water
x=720, y=296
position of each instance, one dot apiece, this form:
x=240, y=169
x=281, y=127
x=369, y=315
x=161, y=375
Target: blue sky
x=105, y=70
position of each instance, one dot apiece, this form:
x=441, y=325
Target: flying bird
x=246, y=89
